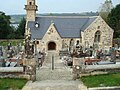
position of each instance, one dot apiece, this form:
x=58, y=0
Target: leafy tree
x=5, y=27
x=104, y=15
x=12, y=34
x=114, y=20
x=21, y=29
x=105, y=9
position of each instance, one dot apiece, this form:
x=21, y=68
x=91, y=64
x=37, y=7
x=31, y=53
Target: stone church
x=55, y=33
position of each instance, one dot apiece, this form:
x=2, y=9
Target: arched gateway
x=51, y=46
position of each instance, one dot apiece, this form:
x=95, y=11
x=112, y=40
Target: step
x=54, y=85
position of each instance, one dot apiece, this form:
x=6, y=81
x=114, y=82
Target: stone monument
x=29, y=61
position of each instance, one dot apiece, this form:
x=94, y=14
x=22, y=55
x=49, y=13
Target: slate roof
x=67, y=26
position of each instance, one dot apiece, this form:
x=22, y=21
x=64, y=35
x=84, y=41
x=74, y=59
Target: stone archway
x=51, y=46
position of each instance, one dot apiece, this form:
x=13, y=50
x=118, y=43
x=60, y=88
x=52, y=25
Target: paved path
x=60, y=72
x=58, y=79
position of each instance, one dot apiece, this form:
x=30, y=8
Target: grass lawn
x=7, y=83
x=102, y=80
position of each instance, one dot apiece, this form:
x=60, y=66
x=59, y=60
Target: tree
x=21, y=29
x=12, y=34
x=104, y=15
x=114, y=20
x=105, y=9
x=5, y=27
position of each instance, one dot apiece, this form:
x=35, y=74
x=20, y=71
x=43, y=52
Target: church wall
x=82, y=39
x=50, y=36
x=67, y=41
x=53, y=36
x=43, y=43
x=106, y=34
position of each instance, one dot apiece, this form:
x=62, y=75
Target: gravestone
x=113, y=55
x=9, y=46
x=1, y=51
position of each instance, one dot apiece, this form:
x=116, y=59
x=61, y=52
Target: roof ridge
x=85, y=23
x=69, y=16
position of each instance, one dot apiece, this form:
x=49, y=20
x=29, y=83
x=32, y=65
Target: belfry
x=31, y=9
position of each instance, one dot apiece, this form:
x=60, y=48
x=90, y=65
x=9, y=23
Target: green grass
x=13, y=42
x=102, y=80
x=8, y=83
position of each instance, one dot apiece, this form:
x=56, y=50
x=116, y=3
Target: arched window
x=77, y=44
x=63, y=44
x=30, y=3
x=71, y=42
x=97, y=36
x=71, y=45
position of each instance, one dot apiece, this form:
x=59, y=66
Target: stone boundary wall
x=105, y=88
x=105, y=68
x=101, y=67
x=13, y=72
x=11, y=69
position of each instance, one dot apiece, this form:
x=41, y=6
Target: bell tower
x=31, y=9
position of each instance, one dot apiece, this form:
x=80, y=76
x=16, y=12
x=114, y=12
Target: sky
x=53, y=6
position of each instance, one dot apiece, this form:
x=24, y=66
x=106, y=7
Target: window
x=71, y=45
x=71, y=42
x=97, y=36
x=63, y=44
x=98, y=27
x=36, y=42
x=37, y=25
x=30, y=3
x=77, y=44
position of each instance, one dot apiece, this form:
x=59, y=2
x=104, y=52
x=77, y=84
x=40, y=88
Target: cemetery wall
x=13, y=72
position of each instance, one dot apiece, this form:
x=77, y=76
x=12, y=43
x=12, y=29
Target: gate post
x=30, y=68
x=76, y=68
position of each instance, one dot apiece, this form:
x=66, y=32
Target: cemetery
x=61, y=53
x=22, y=62
x=100, y=70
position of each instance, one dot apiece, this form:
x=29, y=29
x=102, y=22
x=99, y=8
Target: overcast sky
x=53, y=6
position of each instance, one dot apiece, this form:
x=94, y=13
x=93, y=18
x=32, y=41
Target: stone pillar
x=30, y=68
x=76, y=68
